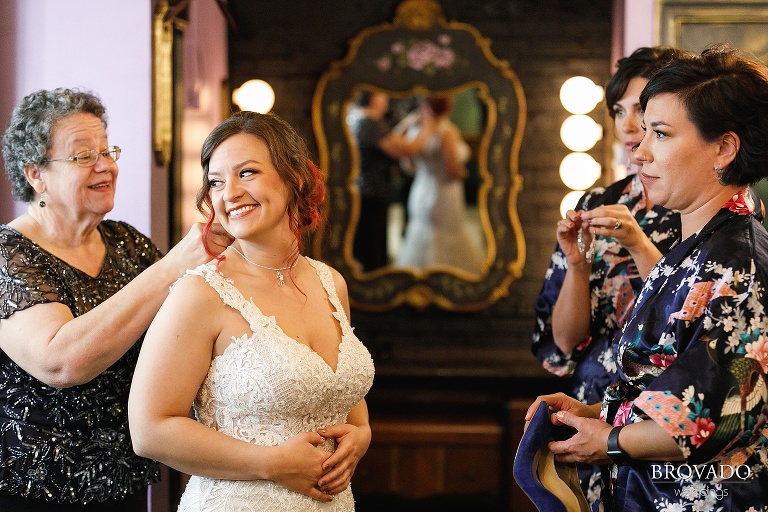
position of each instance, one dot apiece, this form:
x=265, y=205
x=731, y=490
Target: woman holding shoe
x=685, y=425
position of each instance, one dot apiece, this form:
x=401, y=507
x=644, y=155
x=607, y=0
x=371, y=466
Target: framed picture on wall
x=695, y=25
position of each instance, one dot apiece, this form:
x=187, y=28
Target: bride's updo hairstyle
x=302, y=178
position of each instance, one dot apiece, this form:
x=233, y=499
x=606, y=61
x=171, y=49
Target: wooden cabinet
x=419, y=457
x=445, y=444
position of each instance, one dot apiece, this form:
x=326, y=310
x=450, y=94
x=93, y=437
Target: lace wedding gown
x=437, y=232
x=267, y=387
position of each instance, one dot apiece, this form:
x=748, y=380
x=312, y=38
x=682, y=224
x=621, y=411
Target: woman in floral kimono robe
x=601, y=291
x=686, y=425
x=611, y=277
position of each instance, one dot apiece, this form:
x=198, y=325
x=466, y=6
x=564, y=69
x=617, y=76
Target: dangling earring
x=719, y=173
x=41, y=202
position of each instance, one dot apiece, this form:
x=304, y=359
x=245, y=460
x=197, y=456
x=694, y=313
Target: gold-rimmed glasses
x=89, y=158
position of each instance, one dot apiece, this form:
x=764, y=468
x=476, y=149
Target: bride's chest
x=268, y=371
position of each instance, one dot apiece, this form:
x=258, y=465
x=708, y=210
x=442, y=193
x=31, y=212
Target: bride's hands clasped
x=302, y=465
x=352, y=443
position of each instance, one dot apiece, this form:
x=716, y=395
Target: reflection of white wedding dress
x=267, y=387
x=437, y=232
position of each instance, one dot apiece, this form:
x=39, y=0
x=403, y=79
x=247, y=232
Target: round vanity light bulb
x=580, y=95
x=579, y=171
x=254, y=95
x=580, y=133
x=570, y=201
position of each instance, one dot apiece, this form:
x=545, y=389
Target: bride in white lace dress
x=437, y=233
x=259, y=340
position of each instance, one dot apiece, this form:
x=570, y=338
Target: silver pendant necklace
x=280, y=277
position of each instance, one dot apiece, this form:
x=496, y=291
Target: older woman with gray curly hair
x=77, y=293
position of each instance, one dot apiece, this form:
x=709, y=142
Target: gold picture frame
x=162, y=85
x=695, y=25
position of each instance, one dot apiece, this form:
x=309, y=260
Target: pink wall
x=205, y=69
x=639, y=24
x=102, y=46
x=7, y=96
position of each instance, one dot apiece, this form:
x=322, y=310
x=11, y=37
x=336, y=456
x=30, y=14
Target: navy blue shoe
x=552, y=486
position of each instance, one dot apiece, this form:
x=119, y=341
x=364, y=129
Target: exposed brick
x=291, y=43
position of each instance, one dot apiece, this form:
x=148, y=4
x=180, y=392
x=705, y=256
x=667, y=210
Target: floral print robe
x=614, y=284
x=693, y=358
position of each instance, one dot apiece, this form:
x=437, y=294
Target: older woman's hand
x=301, y=465
x=189, y=252
x=217, y=238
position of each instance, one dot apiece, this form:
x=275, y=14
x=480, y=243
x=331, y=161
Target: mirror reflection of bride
x=437, y=233
x=488, y=107
x=379, y=150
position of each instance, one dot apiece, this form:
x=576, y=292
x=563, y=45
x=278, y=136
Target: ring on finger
x=617, y=225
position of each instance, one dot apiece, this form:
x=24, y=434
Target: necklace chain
x=280, y=277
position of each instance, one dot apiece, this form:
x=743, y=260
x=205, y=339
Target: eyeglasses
x=89, y=158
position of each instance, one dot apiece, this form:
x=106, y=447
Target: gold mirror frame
x=372, y=63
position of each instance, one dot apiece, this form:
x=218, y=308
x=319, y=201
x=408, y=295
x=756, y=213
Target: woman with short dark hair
x=685, y=425
x=596, y=271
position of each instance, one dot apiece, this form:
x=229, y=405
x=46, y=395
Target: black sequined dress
x=69, y=445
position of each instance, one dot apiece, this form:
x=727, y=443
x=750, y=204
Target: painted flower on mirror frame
x=420, y=55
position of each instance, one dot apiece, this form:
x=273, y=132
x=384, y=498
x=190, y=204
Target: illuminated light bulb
x=570, y=201
x=580, y=95
x=254, y=95
x=579, y=171
x=580, y=133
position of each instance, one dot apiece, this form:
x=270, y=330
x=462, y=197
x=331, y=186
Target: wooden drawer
x=421, y=457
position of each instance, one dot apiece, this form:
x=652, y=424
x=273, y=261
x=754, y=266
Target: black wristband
x=614, y=452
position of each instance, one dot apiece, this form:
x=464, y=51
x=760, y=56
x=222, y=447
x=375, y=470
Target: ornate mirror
x=419, y=57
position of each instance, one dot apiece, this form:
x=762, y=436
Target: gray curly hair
x=28, y=137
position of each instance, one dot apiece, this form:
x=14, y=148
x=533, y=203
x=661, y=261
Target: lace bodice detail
x=267, y=387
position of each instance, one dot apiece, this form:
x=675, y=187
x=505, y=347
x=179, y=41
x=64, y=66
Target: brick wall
x=291, y=43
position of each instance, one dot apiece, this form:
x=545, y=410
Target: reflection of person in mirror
x=437, y=233
x=379, y=150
